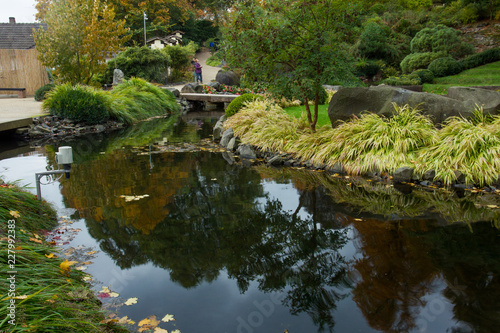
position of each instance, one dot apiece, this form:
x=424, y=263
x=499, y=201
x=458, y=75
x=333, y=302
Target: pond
x=158, y=213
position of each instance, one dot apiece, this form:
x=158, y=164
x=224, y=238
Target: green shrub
x=136, y=99
x=403, y=80
x=239, y=102
x=142, y=62
x=367, y=68
x=42, y=91
x=445, y=67
x=440, y=39
x=416, y=61
x=180, y=60
x=426, y=76
x=79, y=103
x=481, y=58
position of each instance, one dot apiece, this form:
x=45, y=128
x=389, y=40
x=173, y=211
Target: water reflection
x=408, y=268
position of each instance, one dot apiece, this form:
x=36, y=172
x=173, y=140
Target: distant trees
x=80, y=35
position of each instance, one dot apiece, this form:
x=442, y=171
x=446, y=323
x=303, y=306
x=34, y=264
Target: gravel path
x=208, y=72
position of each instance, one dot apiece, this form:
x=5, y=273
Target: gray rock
x=403, y=174
x=99, y=128
x=246, y=151
x=233, y=143
x=353, y=101
x=218, y=130
x=275, y=161
x=228, y=78
x=117, y=76
x=429, y=175
x=228, y=157
x=22, y=130
x=338, y=168
x=226, y=136
x=216, y=85
x=488, y=99
x=192, y=88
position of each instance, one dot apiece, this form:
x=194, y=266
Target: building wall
x=22, y=69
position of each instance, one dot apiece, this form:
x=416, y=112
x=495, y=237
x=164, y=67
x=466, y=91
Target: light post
x=145, y=18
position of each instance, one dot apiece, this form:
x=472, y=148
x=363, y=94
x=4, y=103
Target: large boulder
x=228, y=78
x=353, y=101
x=192, y=88
x=488, y=99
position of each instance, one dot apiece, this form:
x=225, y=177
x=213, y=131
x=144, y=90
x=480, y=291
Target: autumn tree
x=159, y=13
x=80, y=35
x=296, y=45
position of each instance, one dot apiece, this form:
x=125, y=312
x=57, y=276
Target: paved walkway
x=208, y=72
x=17, y=112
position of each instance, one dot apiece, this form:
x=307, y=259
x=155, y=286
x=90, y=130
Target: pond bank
x=38, y=275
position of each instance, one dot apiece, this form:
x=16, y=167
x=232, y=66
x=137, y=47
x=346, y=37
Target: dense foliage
x=239, y=102
x=445, y=67
x=142, y=62
x=79, y=103
x=42, y=91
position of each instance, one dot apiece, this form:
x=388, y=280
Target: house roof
x=18, y=35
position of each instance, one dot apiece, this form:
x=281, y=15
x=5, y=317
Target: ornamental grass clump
x=266, y=125
x=377, y=144
x=471, y=146
x=136, y=99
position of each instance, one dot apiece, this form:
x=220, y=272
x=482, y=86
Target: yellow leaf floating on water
x=87, y=278
x=81, y=268
x=64, y=266
x=105, y=290
x=176, y=331
x=492, y=206
x=130, y=301
x=129, y=198
x=15, y=213
x=91, y=253
x=50, y=256
x=159, y=330
x=167, y=318
x=126, y=320
x=149, y=323
x=113, y=294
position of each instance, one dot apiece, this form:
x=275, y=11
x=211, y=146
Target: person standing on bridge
x=197, y=71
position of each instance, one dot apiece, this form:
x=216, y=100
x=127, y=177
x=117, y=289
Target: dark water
x=228, y=248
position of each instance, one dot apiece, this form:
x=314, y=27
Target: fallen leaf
x=125, y=320
x=159, y=330
x=105, y=290
x=91, y=253
x=176, y=331
x=87, y=263
x=15, y=213
x=492, y=206
x=21, y=297
x=87, y=278
x=64, y=266
x=81, y=268
x=35, y=240
x=130, y=301
x=150, y=321
x=113, y=294
x=50, y=256
x=167, y=318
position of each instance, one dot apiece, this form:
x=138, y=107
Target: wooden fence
x=22, y=69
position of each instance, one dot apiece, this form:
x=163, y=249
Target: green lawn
x=297, y=112
x=487, y=75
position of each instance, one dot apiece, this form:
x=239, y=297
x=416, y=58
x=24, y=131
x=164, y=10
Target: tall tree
x=296, y=45
x=80, y=35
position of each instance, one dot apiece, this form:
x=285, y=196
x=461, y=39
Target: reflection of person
x=194, y=73
x=197, y=71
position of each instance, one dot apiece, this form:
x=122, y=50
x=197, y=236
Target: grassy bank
x=487, y=75
x=43, y=293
